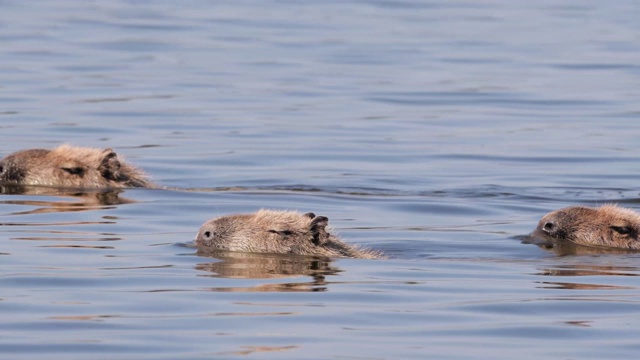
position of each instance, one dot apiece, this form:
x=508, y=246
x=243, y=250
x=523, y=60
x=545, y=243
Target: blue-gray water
x=439, y=132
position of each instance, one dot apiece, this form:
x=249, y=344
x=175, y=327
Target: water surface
x=438, y=132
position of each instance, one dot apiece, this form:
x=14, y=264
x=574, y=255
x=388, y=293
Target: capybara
x=278, y=232
x=608, y=226
x=70, y=166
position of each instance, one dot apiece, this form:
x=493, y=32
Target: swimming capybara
x=69, y=166
x=278, y=232
x=608, y=226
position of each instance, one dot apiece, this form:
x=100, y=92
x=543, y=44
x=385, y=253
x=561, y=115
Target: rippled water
x=439, y=132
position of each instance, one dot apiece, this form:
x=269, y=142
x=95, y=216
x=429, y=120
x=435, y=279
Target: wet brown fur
x=70, y=166
x=278, y=232
x=608, y=226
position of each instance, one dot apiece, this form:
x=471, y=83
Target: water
x=439, y=132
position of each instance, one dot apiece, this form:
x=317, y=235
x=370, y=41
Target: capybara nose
x=549, y=227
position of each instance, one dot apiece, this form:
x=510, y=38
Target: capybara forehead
x=282, y=218
x=89, y=156
x=63, y=154
x=606, y=215
x=31, y=153
x=614, y=214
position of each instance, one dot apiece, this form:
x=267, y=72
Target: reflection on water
x=50, y=200
x=580, y=286
x=83, y=199
x=566, y=248
x=267, y=266
x=248, y=350
x=317, y=285
x=584, y=263
x=591, y=270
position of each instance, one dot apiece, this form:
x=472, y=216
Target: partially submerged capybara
x=69, y=166
x=278, y=232
x=608, y=226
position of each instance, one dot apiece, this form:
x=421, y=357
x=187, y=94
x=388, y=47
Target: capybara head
x=278, y=232
x=68, y=166
x=608, y=226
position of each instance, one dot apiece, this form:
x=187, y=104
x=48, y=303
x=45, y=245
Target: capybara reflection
x=69, y=166
x=244, y=265
x=608, y=226
x=278, y=232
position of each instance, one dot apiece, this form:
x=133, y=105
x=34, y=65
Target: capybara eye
x=208, y=235
x=74, y=171
x=549, y=226
x=622, y=230
x=281, y=232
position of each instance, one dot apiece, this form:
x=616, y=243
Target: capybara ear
x=318, y=231
x=310, y=215
x=109, y=165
